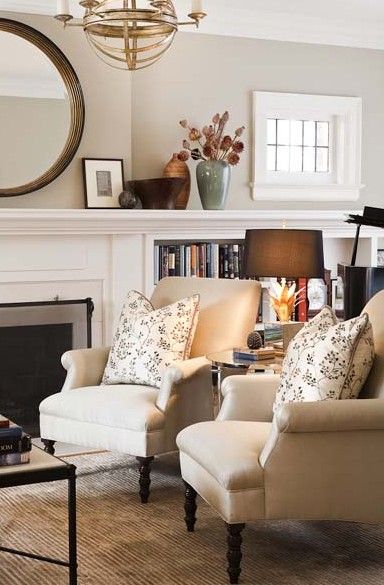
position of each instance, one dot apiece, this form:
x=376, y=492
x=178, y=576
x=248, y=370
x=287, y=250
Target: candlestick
x=62, y=7
x=197, y=6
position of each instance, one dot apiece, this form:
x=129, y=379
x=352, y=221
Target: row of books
x=198, y=259
x=15, y=445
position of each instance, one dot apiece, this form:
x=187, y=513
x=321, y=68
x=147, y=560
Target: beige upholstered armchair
x=141, y=420
x=311, y=461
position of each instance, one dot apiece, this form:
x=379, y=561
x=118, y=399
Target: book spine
x=231, y=271
x=246, y=357
x=160, y=262
x=16, y=446
x=241, y=254
x=215, y=260
x=12, y=432
x=236, y=272
x=221, y=261
x=188, y=261
x=193, y=260
x=171, y=261
x=302, y=305
x=14, y=459
x=164, y=263
x=182, y=260
x=177, y=261
x=208, y=262
x=226, y=262
x=201, y=263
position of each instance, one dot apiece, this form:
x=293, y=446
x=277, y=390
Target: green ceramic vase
x=213, y=178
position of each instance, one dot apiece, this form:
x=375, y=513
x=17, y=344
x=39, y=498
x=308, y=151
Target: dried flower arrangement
x=213, y=144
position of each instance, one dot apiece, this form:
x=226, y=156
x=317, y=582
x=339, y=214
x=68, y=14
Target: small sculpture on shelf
x=179, y=168
x=127, y=199
x=255, y=340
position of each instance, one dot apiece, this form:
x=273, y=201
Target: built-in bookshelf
x=207, y=259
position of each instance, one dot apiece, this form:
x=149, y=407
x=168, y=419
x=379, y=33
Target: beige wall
x=200, y=75
x=204, y=74
x=107, y=131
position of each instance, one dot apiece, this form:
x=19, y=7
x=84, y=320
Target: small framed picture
x=103, y=182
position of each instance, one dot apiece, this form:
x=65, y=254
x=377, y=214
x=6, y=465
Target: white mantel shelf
x=120, y=221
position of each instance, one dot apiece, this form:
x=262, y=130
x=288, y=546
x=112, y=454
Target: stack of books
x=15, y=445
x=253, y=355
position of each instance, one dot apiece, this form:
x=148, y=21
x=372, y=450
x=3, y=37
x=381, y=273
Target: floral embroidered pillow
x=327, y=360
x=147, y=341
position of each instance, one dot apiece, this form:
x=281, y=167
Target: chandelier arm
x=149, y=61
x=118, y=50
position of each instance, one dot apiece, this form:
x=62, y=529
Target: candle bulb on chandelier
x=197, y=6
x=62, y=7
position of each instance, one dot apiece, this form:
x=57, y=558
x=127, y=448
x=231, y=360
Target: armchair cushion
x=111, y=407
x=327, y=360
x=147, y=341
x=229, y=451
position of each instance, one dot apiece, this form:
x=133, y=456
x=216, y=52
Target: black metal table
x=44, y=468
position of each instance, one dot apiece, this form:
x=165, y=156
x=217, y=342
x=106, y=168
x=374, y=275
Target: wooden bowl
x=158, y=193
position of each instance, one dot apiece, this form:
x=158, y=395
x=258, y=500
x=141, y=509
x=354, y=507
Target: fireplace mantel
x=121, y=221
x=50, y=253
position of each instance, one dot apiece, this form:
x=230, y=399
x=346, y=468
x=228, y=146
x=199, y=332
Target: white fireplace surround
x=103, y=253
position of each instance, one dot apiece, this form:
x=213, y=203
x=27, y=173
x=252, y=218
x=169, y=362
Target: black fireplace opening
x=33, y=337
x=31, y=370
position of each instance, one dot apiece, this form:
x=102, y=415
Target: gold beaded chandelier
x=129, y=34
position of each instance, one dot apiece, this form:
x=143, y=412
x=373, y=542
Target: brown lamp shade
x=284, y=253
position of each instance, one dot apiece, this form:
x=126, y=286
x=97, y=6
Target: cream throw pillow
x=147, y=340
x=327, y=360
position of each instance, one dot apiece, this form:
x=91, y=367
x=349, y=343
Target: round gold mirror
x=41, y=110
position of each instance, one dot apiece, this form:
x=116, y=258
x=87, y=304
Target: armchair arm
x=330, y=416
x=323, y=417
x=196, y=371
x=249, y=397
x=84, y=367
x=325, y=460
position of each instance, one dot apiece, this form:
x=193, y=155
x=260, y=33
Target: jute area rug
x=122, y=542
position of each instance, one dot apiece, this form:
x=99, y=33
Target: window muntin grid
x=298, y=146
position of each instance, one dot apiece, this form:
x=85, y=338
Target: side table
x=223, y=360
x=43, y=468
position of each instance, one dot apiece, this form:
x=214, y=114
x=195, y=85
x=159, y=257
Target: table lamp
x=286, y=254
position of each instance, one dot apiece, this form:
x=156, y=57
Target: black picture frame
x=103, y=180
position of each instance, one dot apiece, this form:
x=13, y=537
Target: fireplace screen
x=33, y=337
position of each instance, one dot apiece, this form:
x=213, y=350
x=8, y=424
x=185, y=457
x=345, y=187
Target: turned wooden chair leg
x=190, y=507
x=49, y=446
x=234, y=554
x=145, y=477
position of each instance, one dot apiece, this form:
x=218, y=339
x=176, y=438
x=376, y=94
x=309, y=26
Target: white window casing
x=343, y=181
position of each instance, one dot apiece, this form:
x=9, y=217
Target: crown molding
x=294, y=28
x=240, y=22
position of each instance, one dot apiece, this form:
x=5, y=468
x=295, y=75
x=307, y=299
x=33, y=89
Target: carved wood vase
x=178, y=168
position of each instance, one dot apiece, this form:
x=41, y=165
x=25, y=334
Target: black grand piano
x=361, y=282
